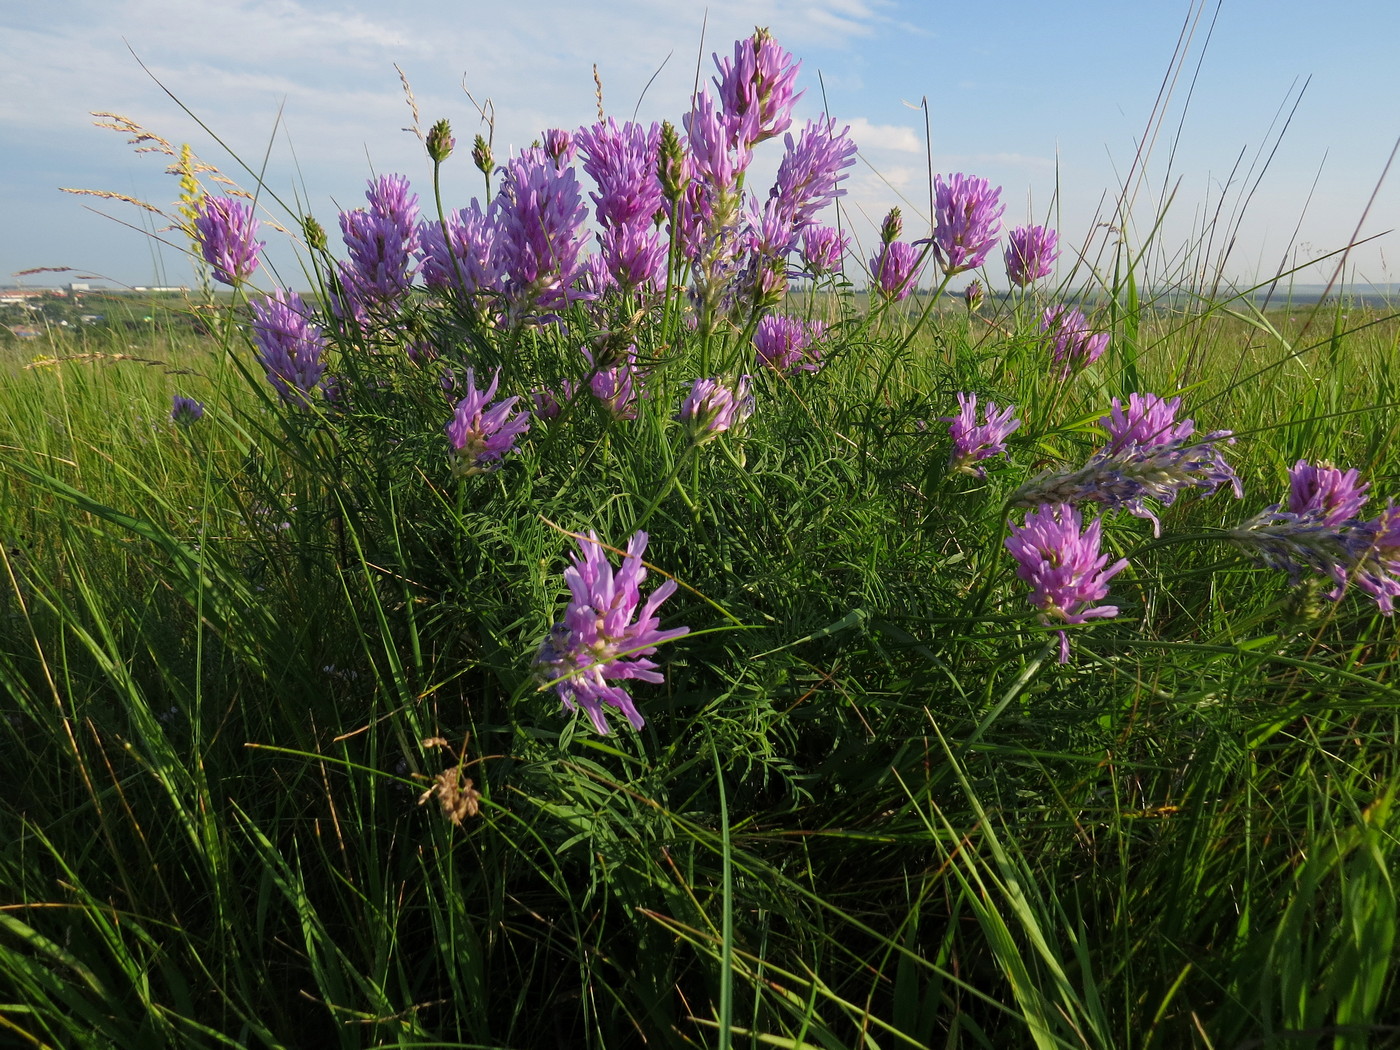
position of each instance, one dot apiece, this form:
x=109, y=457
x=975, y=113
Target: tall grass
x=282, y=774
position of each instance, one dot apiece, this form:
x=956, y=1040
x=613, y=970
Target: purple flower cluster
x=974, y=442
x=968, y=221
x=622, y=160
x=787, y=344
x=895, y=270
x=1321, y=531
x=822, y=249
x=1030, y=254
x=289, y=346
x=481, y=433
x=1149, y=456
x=604, y=636
x=539, y=218
x=1073, y=345
x=381, y=241
x=185, y=410
x=617, y=388
x=226, y=228
x=1063, y=566
x=756, y=89
x=714, y=406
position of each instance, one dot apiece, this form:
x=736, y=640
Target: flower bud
x=440, y=141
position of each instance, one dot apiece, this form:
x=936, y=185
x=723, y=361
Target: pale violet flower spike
x=1030, y=254
x=1063, y=566
x=480, y=433
x=716, y=405
x=607, y=633
x=968, y=221
x=974, y=442
x=226, y=228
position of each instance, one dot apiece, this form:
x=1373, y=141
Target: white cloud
x=895, y=137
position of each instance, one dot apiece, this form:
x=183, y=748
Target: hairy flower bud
x=481, y=156
x=440, y=141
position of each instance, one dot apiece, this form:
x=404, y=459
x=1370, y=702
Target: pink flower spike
x=1063, y=566
x=604, y=636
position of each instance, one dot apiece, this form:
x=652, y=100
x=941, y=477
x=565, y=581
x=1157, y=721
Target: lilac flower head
x=560, y=146
x=622, y=161
x=1127, y=478
x=604, y=637
x=617, y=388
x=185, y=410
x=480, y=433
x=1147, y=421
x=812, y=170
x=895, y=270
x=289, y=346
x=540, y=218
x=1377, y=570
x=968, y=213
x=381, y=242
x=546, y=403
x=1072, y=345
x=1325, y=493
x=974, y=442
x=716, y=405
x=466, y=257
x=1030, y=254
x=226, y=229
x=822, y=249
x=787, y=344
x=1063, y=566
x=634, y=256
x=973, y=295
x=713, y=157
x=756, y=88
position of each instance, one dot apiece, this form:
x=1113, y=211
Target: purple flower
x=1126, y=479
x=381, y=242
x=895, y=270
x=822, y=249
x=1030, y=254
x=559, y=145
x=968, y=213
x=1325, y=493
x=604, y=637
x=1063, y=566
x=1072, y=345
x=1148, y=421
x=716, y=405
x=185, y=410
x=480, y=433
x=713, y=156
x=634, y=256
x=622, y=161
x=226, y=229
x=786, y=344
x=289, y=346
x=973, y=295
x=1377, y=570
x=974, y=442
x=540, y=218
x=546, y=403
x=811, y=171
x=466, y=258
x=756, y=89
x=617, y=388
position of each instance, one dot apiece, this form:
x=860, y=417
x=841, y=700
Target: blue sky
x=1049, y=100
